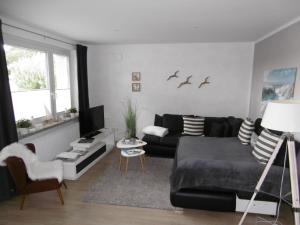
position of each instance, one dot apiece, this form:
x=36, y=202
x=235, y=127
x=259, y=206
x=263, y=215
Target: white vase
x=23, y=131
x=73, y=115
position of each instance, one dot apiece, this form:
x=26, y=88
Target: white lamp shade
x=282, y=116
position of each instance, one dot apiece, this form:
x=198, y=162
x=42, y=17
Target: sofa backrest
x=214, y=126
x=222, y=126
x=158, y=120
x=173, y=122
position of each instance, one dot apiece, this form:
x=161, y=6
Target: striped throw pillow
x=245, y=132
x=265, y=146
x=193, y=125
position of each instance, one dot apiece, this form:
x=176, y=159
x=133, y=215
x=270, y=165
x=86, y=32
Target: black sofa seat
x=159, y=151
x=162, y=147
x=205, y=200
x=169, y=140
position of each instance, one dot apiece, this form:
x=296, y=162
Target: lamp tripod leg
x=262, y=178
x=294, y=179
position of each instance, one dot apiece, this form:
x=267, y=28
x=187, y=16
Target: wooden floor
x=45, y=209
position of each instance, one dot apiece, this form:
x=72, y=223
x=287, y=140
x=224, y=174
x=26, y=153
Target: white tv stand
x=103, y=143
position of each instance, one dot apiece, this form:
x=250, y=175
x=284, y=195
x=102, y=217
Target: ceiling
x=154, y=21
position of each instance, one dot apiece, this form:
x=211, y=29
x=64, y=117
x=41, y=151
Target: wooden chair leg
x=65, y=185
x=126, y=168
x=142, y=162
x=22, y=201
x=120, y=162
x=144, y=159
x=60, y=196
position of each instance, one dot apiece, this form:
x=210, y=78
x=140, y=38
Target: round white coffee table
x=129, y=150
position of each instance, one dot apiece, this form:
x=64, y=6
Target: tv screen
x=95, y=121
x=96, y=117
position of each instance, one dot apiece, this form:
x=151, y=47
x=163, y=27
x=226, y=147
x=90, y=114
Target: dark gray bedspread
x=221, y=163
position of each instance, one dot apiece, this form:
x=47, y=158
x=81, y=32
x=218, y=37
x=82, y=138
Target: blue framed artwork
x=279, y=84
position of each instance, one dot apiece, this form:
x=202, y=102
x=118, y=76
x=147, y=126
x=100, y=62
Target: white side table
x=129, y=150
x=129, y=153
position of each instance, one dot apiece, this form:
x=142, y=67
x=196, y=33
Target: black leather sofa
x=166, y=146
x=218, y=200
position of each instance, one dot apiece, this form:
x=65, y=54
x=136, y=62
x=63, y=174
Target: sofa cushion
x=265, y=146
x=234, y=124
x=279, y=160
x=160, y=151
x=209, y=121
x=216, y=129
x=158, y=120
x=193, y=125
x=173, y=122
x=151, y=139
x=155, y=130
x=170, y=140
x=246, y=130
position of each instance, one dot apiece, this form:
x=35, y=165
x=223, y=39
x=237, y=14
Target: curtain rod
x=42, y=35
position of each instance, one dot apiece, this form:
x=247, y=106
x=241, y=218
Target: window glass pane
x=62, y=82
x=27, y=69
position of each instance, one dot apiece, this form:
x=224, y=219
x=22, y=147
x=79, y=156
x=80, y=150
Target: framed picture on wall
x=136, y=76
x=136, y=87
x=279, y=84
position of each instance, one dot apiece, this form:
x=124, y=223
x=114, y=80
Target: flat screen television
x=95, y=122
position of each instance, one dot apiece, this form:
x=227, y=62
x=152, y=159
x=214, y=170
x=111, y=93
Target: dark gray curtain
x=8, y=130
x=83, y=90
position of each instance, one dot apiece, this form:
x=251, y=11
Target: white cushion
x=156, y=131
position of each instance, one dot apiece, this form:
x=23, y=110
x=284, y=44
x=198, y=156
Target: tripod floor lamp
x=282, y=116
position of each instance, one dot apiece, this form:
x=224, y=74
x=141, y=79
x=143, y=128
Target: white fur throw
x=156, y=131
x=36, y=170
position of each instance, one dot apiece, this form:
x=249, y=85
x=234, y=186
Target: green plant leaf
x=130, y=120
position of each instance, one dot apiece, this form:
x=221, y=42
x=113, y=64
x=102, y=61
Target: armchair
x=25, y=185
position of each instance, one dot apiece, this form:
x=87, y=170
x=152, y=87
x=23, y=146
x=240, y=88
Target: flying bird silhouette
x=173, y=75
x=204, y=82
x=187, y=81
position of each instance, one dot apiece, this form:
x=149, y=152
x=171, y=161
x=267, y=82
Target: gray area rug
x=147, y=190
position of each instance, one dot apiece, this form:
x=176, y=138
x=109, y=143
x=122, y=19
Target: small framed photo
x=136, y=76
x=136, y=87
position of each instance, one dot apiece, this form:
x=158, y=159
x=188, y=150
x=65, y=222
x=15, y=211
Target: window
x=39, y=81
x=62, y=82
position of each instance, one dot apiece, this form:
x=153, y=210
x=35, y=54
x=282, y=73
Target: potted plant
x=73, y=112
x=23, y=126
x=130, y=121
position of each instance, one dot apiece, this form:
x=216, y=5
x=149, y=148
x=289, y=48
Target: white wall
x=50, y=142
x=229, y=66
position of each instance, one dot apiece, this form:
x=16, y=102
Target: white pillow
x=156, y=131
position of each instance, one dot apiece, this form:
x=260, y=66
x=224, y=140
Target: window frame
x=49, y=50
x=69, y=81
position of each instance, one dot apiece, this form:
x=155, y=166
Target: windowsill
x=47, y=126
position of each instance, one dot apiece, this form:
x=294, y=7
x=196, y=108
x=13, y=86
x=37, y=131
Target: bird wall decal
x=173, y=75
x=204, y=82
x=187, y=81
